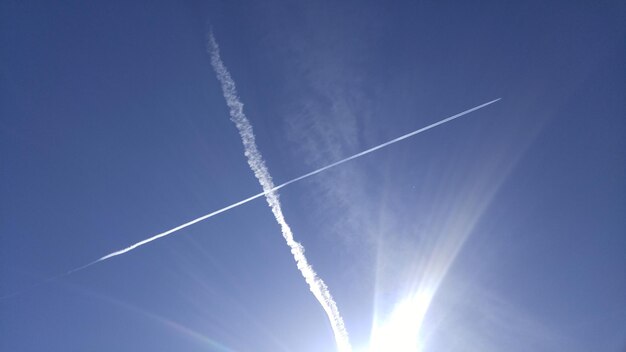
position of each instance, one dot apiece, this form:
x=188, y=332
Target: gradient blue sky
x=113, y=128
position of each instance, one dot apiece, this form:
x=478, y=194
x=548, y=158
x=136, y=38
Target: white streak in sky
x=257, y=164
x=251, y=198
x=276, y=188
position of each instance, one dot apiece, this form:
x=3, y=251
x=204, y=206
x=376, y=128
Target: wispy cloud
x=257, y=164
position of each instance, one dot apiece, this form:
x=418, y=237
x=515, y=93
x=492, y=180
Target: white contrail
x=284, y=184
x=276, y=188
x=251, y=198
x=257, y=164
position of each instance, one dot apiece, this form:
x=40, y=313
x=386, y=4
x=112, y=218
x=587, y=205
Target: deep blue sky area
x=506, y=228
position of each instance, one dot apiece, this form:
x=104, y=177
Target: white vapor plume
x=284, y=184
x=256, y=163
x=251, y=198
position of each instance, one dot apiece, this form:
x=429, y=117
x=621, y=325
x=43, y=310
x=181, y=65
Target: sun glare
x=400, y=331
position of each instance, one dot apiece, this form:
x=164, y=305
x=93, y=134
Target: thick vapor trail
x=251, y=198
x=257, y=164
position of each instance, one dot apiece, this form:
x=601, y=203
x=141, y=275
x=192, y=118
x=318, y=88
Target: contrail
x=257, y=164
x=287, y=183
x=251, y=198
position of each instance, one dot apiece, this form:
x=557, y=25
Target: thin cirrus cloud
x=255, y=160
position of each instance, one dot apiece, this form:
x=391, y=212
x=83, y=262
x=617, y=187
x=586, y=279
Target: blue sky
x=503, y=230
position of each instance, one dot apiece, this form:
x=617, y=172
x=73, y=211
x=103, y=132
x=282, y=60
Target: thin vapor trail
x=284, y=184
x=257, y=164
x=251, y=198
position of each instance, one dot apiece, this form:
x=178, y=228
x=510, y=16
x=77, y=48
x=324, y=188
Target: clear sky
x=504, y=230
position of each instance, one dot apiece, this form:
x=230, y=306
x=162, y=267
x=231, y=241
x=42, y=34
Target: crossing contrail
x=287, y=183
x=259, y=195
x=257, y=164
